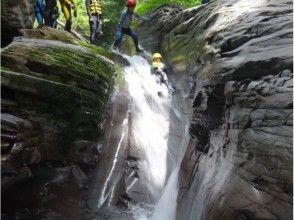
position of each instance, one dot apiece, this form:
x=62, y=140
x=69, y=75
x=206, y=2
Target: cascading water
x=160, y=134
x=155, y=126
x=150, y=118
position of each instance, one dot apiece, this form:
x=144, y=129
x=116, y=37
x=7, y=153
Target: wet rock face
x=53, y=99
x=240, y=53
x=15, y=15
x=248, y=158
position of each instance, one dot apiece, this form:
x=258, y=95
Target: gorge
x=86, y=135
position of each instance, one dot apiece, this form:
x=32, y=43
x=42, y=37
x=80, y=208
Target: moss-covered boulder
x=54, y=94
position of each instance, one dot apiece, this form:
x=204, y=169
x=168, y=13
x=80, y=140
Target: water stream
x=160, y=133
x=150, y=122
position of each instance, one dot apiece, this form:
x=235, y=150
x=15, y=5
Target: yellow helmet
x=156, y=55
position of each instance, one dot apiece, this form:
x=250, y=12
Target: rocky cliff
x=55, y=90
x=15, y=15
x=238, y=55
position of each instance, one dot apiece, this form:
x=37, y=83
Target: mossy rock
x=54, y=77
x=47, y=33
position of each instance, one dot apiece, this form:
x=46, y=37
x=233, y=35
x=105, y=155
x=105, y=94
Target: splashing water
x=151, y=106
x=150, y=114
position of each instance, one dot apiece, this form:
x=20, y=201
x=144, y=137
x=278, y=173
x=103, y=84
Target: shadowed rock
x=15, y=15
x=55, y=89
x=240, y=53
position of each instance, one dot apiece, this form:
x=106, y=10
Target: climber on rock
x=39, y=12
x=51, y=13
x=124, y=25
x=94, y=12
x=66, y=7
x=159, y=69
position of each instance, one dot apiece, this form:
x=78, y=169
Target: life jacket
x=158, y=65
x=95, y=7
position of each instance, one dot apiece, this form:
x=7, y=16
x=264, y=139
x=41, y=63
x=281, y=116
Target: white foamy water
x=150, y=118
x=151, y=127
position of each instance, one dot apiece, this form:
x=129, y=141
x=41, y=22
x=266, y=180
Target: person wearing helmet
x=158, y=68
x=39, y=12
x=157, y=65
x=94, y=12
x=66, y=6
x=124, y=25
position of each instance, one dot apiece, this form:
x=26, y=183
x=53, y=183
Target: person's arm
x=142, y=18
x=122, y=19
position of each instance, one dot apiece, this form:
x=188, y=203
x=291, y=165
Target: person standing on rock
x=94, y=12
x=39, y=12
x=51, y=13
x=124, y=25
x=66, y=7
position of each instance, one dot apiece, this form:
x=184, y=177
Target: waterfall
x=160, y=132
x=150, y=116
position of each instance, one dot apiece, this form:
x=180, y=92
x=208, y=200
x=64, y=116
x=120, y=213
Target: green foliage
x=145, y=6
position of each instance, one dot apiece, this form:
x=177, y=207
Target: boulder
x=55, y=89
x=15, y=15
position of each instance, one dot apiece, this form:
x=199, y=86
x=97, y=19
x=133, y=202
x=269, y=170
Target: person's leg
x=54, y=21
x=39, y=18
x=67, y=26
x=67, y=15
x=92, y=24
x=55, y=15
x=134, y=37
x=47, y=18
x=118, y=38
x=98, y=29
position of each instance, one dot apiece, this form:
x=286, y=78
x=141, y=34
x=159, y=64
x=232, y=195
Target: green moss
x=62, y=64
x=120, y=77
x=5, y=68
x=63, y=84
x=206, y=72
x=49, y=34
x=96, y=50
x=58, y=101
